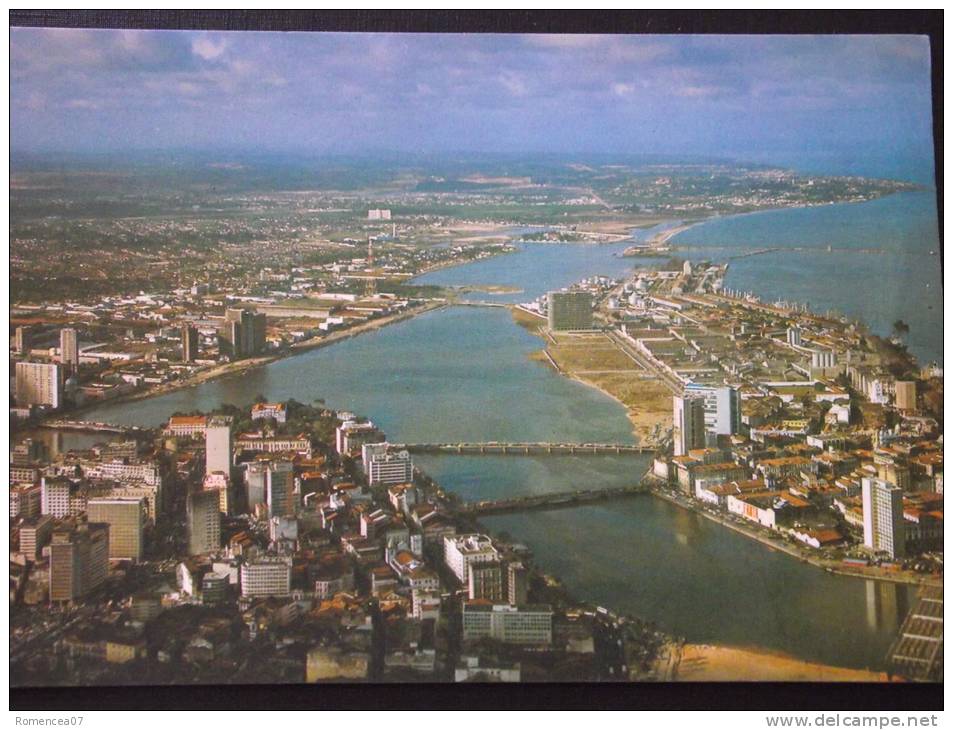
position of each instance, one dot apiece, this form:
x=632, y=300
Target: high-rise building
x=242, y=333
x=39, y=384
x=517, y=583
x=266, y=576
x=883, y=517
x=204, y=521
x=190, y=343
x=55, y=496
x=351, y=435
x=24, y=340
x=218, y=445
x=486, y=581
x=688, y=420
x=280, y=489
x=722, y=408
x=905, y=395
x=390, y=468
x=369, y=451
x=256, y=475
x=79, y=560
x=794, y=336
x=126, y=519
x=69, y=348
x=34, y=534
x=569, y=310
x=459, y=551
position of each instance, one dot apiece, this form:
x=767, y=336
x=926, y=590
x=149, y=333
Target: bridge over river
x=93, y=426
x=527, y=449
x=554, y=500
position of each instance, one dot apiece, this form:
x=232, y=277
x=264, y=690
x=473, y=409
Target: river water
x=464, y=373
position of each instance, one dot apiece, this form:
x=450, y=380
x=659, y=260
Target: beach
x=706, y=663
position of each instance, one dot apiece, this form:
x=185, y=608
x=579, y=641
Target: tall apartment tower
x=883, y=517
x=517, y=583
x=126, y=519
x=190, y=343
x=280, y=489
x=39, y=384
x=794, y=336
x=569, y=310
x=69, y=348
x=243, y=332
x=218, y=445
x=688, y=418
x=24, y=340
x=204, y=521
x=79, y=560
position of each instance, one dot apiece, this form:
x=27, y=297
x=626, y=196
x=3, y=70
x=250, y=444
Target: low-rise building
x=530, y=624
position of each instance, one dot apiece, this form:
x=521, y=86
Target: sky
x=102, y=90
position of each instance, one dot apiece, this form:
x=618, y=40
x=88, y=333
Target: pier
x=554, y=500
x=527, y=449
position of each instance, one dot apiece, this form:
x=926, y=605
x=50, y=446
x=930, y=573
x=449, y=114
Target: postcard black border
x=919, y=698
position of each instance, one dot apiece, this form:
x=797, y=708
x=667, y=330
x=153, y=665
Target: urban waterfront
x=465, y=374
x=902, y=226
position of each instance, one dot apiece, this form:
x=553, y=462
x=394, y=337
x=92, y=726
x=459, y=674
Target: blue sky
x=80, y=90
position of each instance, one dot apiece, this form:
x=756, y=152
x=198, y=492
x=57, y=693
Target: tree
x=901, y=328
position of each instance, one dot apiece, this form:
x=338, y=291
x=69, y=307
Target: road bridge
x=554, y=500
x=93, y=426
x=527, y=449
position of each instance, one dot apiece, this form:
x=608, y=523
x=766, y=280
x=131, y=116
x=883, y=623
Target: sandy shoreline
x=706, y=663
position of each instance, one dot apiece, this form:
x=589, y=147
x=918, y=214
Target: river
x=464, y=373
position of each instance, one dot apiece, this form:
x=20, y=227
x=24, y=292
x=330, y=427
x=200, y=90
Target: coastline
x=642, y=422
x=242, y=366
x=719, y=663
x=772, y=542
x=776, y=543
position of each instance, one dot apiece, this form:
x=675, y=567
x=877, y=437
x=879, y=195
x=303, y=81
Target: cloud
x=497, y=90
x=81, y=104
x=623, y=89
x=567, y=40
x=208, y=48
x=513, y=83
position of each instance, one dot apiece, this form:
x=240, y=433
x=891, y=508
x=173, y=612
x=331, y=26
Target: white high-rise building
x=722, y=408
x=351, y=435
x=369, y=451
x=883, y=517
x=392, y=468
x=794, y=336
x=266, y=576
x=218, y=445
x=54, y=496
x=461, y=550
x=688, y=419
x=39, y=384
